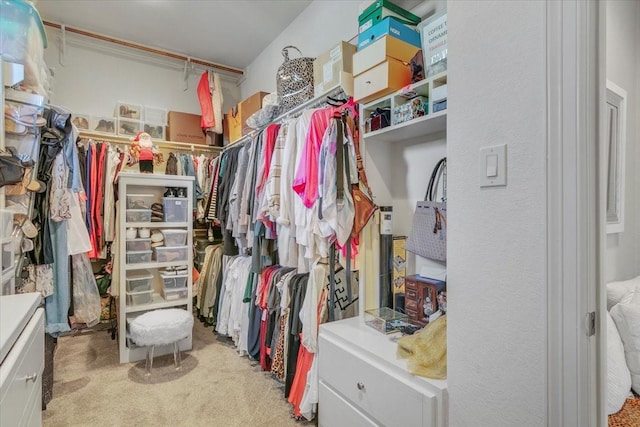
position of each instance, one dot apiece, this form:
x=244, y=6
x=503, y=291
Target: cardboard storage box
x=381, y=9
x=185, y=127
x=249, y=106
x=327, y=67
x=389, y=26
x=345, y=80
x=381, y=50
x=237, y=116
x=381, y=80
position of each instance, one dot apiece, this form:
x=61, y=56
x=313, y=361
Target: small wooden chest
x=421, y=298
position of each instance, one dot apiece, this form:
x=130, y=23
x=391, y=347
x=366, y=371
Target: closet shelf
x=154, y=264
x=336, y=91
x=157, y=224
x=432, y=123
x=157, y=302
x=160, y=143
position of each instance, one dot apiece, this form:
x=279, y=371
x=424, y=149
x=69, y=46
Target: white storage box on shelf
x=138, y=245
x=174, y=281
x=176, y=209
x=137, y=257
x=172, y=254
x=138, y=215
x=139, y=281
x=174, y=237
x=139, y=298
x=175, y=294
x=139, y=201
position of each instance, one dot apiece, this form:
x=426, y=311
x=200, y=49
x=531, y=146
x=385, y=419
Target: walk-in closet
x=399, y=213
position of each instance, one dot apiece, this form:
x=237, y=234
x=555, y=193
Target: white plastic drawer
x=370, y=388
x=21, y=373
x=337, y=412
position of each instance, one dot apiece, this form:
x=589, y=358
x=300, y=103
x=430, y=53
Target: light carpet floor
x=216, y=387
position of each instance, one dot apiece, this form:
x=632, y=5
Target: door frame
x=575, y=214
x=576, y=223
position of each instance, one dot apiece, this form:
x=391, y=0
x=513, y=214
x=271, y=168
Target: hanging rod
x=148, y=49
x=184, y=146
x=316, y=102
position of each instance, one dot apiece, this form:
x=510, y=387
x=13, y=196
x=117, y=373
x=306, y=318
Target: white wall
x=623, y=69
x=496, y=236
x=318, y=28
x=97, y=75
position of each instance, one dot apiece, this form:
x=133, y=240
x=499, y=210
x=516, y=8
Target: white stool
x=161, y=327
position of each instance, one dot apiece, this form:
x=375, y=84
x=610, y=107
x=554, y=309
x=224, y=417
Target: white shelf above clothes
x=426, y=125
x=337, y=91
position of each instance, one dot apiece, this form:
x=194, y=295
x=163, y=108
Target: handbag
x=294, y=80
x=362, y=202
x=428, y=236
x=12, y=169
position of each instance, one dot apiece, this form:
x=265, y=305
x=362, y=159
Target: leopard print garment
x=277, y=365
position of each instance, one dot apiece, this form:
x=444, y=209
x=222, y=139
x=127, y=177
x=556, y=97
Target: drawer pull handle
x=360, y=386
x=33, y=377
x=368, y=82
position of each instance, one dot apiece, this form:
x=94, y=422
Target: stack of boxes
x=333, y=68
x=235, y=121
x=387, y=42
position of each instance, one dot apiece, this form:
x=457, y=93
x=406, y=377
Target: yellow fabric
x=426, y=351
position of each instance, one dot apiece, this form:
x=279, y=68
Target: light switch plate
x=493, y=166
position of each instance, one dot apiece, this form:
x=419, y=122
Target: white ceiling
x=227, y=32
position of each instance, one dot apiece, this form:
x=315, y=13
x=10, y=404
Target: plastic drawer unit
x=176, y=209
x=137, y=257
x=138, y=245
x=139, y=201
x=174, y=281
x=139, y=281
x=139, y=298
x=172, y=254
x=138, y=215
x=174, y=238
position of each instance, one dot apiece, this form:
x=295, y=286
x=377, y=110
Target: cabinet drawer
x=386, y=47
x=337, y=412
x=20, y=373
x=381, y=80
x=386, y=399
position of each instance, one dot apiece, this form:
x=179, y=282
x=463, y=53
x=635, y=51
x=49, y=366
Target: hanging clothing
x=217, y=99
x=172, y=165
x=207, y=120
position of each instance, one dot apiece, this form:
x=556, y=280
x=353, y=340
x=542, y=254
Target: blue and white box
x=389, y=26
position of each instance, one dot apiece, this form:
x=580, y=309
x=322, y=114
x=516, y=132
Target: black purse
x=11, y=167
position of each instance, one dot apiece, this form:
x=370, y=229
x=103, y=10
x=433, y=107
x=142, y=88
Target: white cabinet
x=141, y=268
x=22, y=356
x=363, y=383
